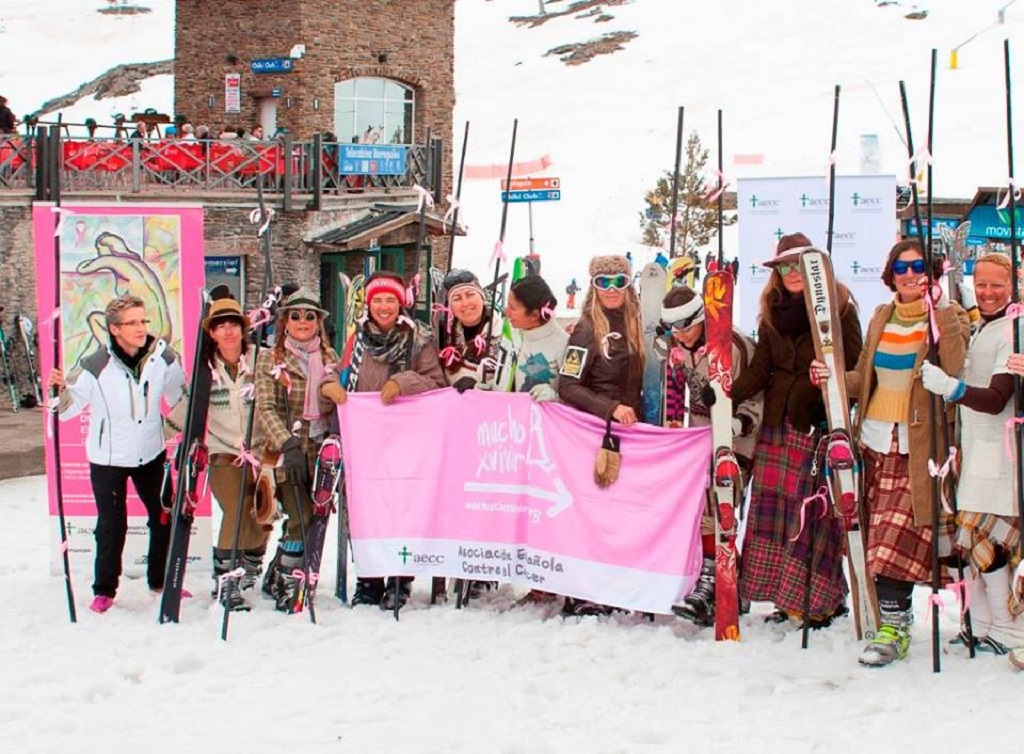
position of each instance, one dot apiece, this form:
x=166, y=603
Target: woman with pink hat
x=777, y=549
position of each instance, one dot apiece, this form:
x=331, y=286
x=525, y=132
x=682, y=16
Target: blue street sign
x=371, y=159
x=271, y=65
x=531, y=196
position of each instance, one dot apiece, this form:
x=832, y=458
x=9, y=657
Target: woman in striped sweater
x=894, y=428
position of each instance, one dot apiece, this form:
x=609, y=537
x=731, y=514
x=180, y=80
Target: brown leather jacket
x=601, y=384
x=781, y=366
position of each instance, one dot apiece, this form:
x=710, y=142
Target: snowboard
x=681, y=271
x=192, y=469
x=726, y=483
x=327, y=475
x=843, y=466
x=652, y=293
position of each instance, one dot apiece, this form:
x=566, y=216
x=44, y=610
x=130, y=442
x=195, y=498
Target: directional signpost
x=530, y=190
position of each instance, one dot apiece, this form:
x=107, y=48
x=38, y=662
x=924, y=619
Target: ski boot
x=368, y=592
x=252, y=562
x=288, y=582
x=582, y=608
x=398, y=589
x=225, y=584
x=699, y=605
x=892, y=642
x=269, y=587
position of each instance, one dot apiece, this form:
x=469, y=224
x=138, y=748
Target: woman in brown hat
x=400, y=359
x=777, y=548
x=602, y=369
x=228, y=356
x=294, y=419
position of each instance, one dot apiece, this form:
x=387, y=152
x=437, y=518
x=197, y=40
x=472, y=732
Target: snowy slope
x=476, y=681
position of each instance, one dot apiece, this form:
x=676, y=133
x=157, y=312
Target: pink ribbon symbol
x=714, y=192
x=449, y=215
x=935, y=599
x=444, y=310
x=962, y=591
x=488, y=363
x=449, y=355
x=820, y=496
x=245, y=456
x=676, y=355
x=280, y=373
x=50, y=322
x=413, y=290
x=546, y=312
x=423, y=197
x=261, y=216
x=499, y=252
x=940, y=473
x=480, y=345
x=247, y=391
x=258, y=317
x=606, y=343
x=79, y=234
x=1008, y=435
x=929, y=303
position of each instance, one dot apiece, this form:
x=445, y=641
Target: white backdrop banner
x=865, y=228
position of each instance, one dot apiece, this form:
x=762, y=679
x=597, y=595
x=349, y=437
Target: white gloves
x=967, y=298
x=737, y=427
x=938, y=382
x=543, y=392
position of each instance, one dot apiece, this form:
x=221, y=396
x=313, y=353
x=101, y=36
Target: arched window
x=373, y=110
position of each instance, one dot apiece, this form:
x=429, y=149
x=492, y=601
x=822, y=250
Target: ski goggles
x=297, y=315
x=610, y=282
x=901, y=266
x=683, y=317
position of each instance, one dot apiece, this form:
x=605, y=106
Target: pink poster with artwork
x=152, y=251
x=496, y=487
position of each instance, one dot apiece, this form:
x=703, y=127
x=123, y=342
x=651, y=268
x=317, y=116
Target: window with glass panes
x=374, y=111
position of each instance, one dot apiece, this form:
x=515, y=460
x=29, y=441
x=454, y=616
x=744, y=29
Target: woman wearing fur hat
x=228, y=356
x=294, y=419
x=470, y=340
x=680, y=342
x=399, y=358
x=603, y=366
x=777, y=549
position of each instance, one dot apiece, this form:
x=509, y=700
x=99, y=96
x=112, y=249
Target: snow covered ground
x=479, y=681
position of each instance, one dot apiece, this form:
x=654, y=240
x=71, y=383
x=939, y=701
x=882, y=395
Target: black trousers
x=110, y=488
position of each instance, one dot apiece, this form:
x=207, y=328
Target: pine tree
x=696, y=218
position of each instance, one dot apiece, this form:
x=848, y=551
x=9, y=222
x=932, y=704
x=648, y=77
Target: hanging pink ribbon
x=258, y=317
x=547, y=313
x=446, y=311
x=606, y=343
x=488, y=363
x=962, y=591
x=480, y=344
x=247, y=392
x=246, y=456
x=1008, y=436
x=935, y=599
x=62, y=213
x=499, y=252
x=1013, y=311
x=929, y=304
x=280, y=373
x=412, y=291
x=676, y=355
x=50, y=322
x=449, y=215
x=225, y=577
x=64, y=546
x=449, y=355
x=258, y=216
x=1005, y=201
x=423, y=198
x=821, y=496
x=79, y=234
x=940, y=473
x=714, y=192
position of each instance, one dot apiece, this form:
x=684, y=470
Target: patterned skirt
x=780, y=544
x=979, y=534
x=897, y=548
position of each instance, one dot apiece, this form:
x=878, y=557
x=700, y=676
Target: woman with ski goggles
x=602, y=369
x=896, y=434
x=294, y=419
x=777, y=548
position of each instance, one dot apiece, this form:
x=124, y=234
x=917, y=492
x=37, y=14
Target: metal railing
x=285, y=166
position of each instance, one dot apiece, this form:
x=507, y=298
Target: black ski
x=326, y=482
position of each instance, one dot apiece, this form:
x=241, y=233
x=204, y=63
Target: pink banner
x=493, y=486
x=153, y=251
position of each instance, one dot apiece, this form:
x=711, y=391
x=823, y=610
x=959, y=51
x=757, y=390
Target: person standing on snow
x=681, y=342
x=988, y=530
x=602, y=369
x=294, y=419
x=400, y=359
x=123, y=385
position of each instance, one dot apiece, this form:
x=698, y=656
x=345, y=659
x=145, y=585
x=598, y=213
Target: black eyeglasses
x=296, y=315
x=900, y=266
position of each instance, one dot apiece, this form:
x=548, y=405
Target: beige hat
x=303, y=298
x=225, y=308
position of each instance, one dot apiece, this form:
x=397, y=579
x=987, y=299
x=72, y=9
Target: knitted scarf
x=307, y=353
x=391, y=347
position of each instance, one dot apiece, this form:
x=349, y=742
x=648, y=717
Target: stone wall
x=17, y=287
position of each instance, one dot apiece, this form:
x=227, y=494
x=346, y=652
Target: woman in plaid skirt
x=988, y=531
x=895, y=432
x=778, y=550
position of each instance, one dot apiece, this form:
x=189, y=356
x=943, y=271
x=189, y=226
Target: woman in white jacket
x=123, y=385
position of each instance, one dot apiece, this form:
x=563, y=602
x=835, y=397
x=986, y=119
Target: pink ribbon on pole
x=246, y=456
x=423, y=197
x=224, y=577
x=480, y=345
x=1005, y=201
x=258, y=317
x=714, y=192
x=280, y=373
x=940, y=473
x=412, y=291
x=444, y=310
x=929, y=304
x=62, y=213
x=820, y=496
x=299, y=574
x=935, y=599
x=449, y=215
x=261, y=216
x=962, y=591
x=499, y=252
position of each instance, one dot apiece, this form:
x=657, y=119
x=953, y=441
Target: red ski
x=725, y=479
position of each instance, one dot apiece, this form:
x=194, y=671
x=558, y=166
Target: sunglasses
x=611, y=282
x=296, y=315
x=785, y=268
x=900, y=267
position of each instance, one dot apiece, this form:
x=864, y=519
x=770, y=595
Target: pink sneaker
x=101, y=603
